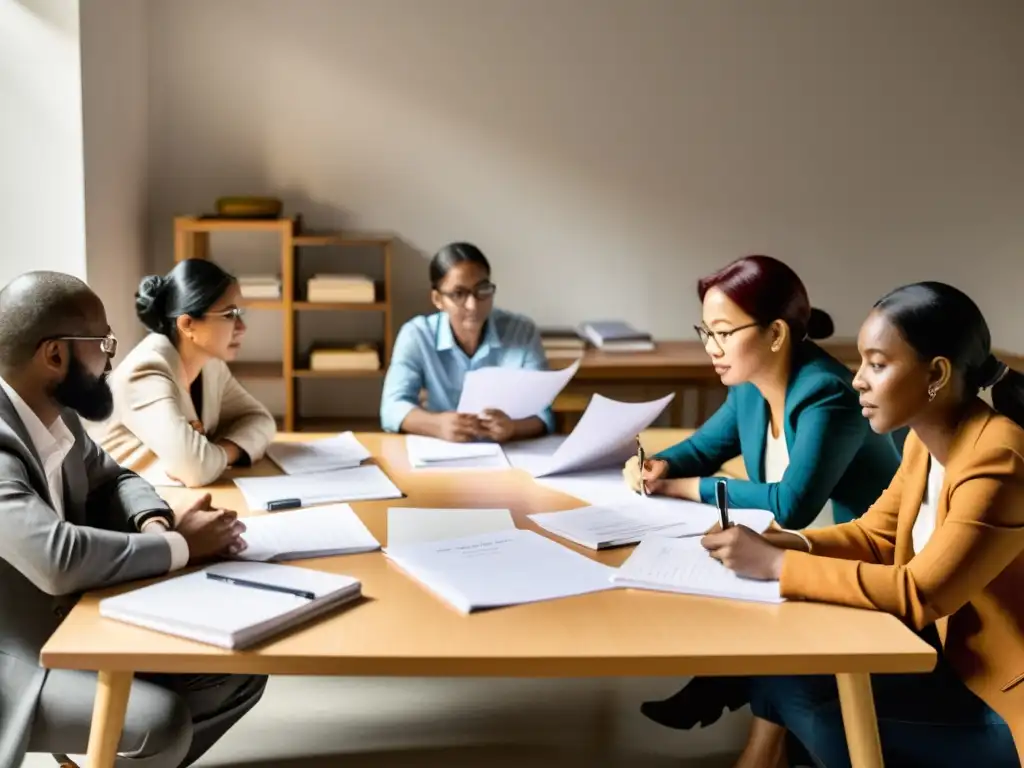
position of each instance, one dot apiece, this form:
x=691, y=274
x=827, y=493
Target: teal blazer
x=833, y=454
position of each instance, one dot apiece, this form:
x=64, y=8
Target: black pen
x=278, y=504
x=642, y=458
x=721, y=498
x=260, y=585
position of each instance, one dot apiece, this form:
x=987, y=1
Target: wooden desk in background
x=402, y=630
x=673, y=367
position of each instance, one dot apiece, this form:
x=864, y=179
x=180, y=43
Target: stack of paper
x=432, y=453
x=683, y=565
x=412, y=525
x=364, y=483
x=518, y=392
x=233, y=605
x=343, y=451
x=305, y=533
x=491, y=570
x=615, y=525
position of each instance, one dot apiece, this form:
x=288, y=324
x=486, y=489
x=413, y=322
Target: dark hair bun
x=819, y=324
x=151, y=302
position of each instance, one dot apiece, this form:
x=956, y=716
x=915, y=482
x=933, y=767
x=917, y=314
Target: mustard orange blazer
x=968, y=579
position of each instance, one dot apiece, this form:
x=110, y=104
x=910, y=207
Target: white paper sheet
x=606, y=432
x=683, y=565
x=497, y=569
x=432, y=453
x=533, y=455
x=606, y=488
x=412, y=525
x=364, y=483
x=333, y=529
x=339, y=452
x=518, y=392
x=612, y=526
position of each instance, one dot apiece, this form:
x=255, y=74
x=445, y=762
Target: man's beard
x=89, y=396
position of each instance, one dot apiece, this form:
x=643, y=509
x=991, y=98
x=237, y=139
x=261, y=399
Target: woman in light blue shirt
x=434, y=353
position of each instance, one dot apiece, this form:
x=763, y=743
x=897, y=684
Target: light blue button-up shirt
x=425, y=356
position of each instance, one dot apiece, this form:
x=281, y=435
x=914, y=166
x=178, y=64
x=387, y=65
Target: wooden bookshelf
x=192, y=240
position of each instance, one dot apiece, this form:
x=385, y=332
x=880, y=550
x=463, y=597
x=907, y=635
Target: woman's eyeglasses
x=460, y=296
x=721, y=337
x=108, y=343
x=233, y=314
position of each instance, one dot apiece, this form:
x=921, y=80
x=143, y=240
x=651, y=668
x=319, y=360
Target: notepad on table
x=683, y=565
x=491, y=570
x=411, y=525
x=342, y=451
x=432, y=453
x=365, y=483
x=325, y=531
x=229, y=613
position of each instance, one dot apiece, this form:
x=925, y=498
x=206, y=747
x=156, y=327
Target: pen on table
x=260, y=585
x=279, y=504
x=722, y=500
x=642, y=458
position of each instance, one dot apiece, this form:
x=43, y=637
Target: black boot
x=702, y=701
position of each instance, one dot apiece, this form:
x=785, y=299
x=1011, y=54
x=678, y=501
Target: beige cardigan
x=153, y=412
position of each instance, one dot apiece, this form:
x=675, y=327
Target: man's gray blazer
x=45, y=562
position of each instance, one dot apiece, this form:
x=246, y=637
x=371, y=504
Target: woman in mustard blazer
x=942, y=549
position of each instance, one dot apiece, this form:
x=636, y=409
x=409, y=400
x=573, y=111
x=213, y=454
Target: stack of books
x=361, y=357
x=260, y=286
x=616, y=336
x=562, y=343
x=341, y=289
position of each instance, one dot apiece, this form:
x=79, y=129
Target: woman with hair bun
x=791, y=413
x=173, y=394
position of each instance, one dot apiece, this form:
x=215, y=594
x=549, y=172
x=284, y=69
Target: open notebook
x=243, y=604
x=683, y=565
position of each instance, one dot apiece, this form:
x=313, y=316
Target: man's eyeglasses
x=233, y=314
x=721, y=337
x=482, y=292
x=108, y=343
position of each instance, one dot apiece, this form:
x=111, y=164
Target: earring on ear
x=932, y=392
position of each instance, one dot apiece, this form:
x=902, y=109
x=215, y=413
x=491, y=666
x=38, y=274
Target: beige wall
x=606, y=153
x=115, y=118
x=41, y=198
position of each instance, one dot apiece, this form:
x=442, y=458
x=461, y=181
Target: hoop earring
x=932, y=392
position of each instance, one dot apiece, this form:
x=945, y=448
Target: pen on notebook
x=260, y=585
x=279, y=504
x=642, y=458
x=722, y=500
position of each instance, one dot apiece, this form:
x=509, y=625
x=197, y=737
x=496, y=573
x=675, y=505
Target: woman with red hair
x=791, y=413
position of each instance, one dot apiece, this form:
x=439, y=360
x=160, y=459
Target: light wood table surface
x=402, y=630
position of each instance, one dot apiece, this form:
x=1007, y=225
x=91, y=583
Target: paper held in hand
x=518, y=392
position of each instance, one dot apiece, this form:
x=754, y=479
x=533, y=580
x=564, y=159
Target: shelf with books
x=192, y=240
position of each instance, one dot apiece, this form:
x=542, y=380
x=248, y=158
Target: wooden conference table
x=400, y=629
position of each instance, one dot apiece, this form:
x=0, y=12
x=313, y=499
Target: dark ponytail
x=938, y=320
x=191, y=288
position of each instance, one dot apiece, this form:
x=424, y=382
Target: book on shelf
x=336, y=357
x=260, y=286
x=343, y=289
x=616, y=336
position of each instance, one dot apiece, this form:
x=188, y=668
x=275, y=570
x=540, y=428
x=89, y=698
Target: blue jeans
x=930, y=720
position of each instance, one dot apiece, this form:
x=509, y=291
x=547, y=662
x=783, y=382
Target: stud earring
x=932, y=392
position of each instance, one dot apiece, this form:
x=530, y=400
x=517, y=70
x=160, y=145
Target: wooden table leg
x=859, y=720
x=108, y=717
